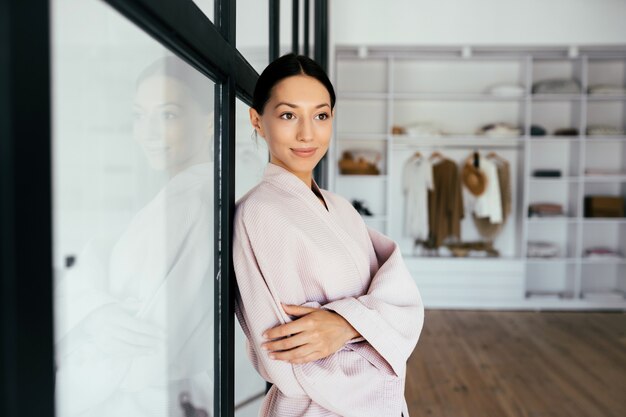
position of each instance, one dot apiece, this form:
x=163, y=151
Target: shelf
x=556, y=97
x=552, y=138
x=604, y=178
x=605, y=97
x=605, y=220
x=419, y=88
x=456, y=140
x=485, y=97
x=590, y=139
x=564, y=180
x=603, y=261
x=362, y=137
x=553, y=219
x=551, y=260
x=359, y=177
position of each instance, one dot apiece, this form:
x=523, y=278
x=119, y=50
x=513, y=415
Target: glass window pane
x=253, y=32
x=133, y=221
x=251, y=159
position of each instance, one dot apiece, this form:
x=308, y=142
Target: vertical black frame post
x=306, y=28
x=295, y=27
x=225, y=96
x=321, y=57
x=26, y=276
x=274, y=12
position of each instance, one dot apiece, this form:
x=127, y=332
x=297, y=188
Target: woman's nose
x=305, y=131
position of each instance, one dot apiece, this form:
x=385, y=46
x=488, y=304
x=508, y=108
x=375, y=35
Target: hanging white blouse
x=417, y=179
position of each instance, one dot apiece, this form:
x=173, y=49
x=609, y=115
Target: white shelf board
x=604, y=220
x=606, y=97
x=454, y=96
x=555, y=179
x=362, y=137
x=551, y=260
x=456, y=140
x=603, y=261
x=604, y=178
x=359, y=177
x=556, y=97
x=552, y=219
x=591, y=139
x=552, y=138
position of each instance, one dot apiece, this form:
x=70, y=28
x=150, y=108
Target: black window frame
x=26, y=284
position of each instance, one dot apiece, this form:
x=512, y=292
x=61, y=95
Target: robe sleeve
x=258, y=309
x=390, y=315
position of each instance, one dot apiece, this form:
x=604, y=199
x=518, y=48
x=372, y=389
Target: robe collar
x=288, y=181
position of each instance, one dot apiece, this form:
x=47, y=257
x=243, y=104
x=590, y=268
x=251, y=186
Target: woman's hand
x=315, y=335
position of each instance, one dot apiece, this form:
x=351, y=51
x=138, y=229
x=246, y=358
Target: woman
x=329, y=309
x=134, y=318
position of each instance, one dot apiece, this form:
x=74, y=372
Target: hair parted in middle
x=288, y=66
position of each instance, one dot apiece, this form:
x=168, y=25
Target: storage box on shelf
x=438, y=98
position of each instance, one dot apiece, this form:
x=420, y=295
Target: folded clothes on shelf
x=601, y=252
x=607, y=89
x=506, y=90
x=566, y=131
x=499, y=130
x=547, y=173
x=604, y=130
x=536, y=130
x=600, y=171
x=542, y=249
x=423, y=129
x=545, y=210
x=556, y=86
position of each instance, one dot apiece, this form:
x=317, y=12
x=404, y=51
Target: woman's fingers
x=296, y=354
x=287, y=343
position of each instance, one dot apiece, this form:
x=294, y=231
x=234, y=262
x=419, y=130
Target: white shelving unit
x=447, y=87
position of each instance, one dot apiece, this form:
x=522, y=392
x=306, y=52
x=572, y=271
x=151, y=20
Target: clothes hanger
x=493, y=155
x=435, y=155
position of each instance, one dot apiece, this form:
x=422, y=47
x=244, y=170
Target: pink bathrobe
x=288, y=248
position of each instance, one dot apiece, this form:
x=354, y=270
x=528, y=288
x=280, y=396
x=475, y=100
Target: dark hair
x=171, y=66
x=288, y=66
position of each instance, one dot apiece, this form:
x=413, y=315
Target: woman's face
x=296, y=124
x=170, y=126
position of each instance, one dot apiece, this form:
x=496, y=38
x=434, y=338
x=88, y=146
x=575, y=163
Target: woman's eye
x=169, y=115
x=322, y=116
x=287, y=116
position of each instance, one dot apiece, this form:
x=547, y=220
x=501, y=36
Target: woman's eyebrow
x=319, y=106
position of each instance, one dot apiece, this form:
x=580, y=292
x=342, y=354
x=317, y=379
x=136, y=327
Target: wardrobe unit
x=441, y=96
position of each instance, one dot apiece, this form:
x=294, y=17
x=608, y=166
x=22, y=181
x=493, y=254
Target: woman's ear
x=255, y=120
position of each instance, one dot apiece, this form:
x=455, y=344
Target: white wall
x=478, y=22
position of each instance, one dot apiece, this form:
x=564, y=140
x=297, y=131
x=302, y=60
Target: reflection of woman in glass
x=134, y=320
x=329, y=309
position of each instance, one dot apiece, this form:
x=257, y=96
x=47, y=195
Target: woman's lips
x=304, y=152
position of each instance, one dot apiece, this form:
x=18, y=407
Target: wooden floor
x=534, y=364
